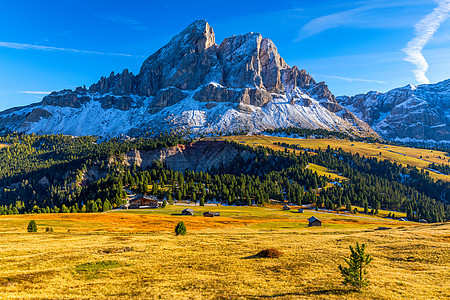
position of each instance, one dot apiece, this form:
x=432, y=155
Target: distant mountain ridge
x=193, y=85
x=407, y=114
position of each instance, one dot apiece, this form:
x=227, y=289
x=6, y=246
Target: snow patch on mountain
x=188, y=114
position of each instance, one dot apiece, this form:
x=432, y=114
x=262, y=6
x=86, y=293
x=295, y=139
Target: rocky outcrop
x=409, y=113
x=218, y=93
x=168, y=97
x=198, y=157
x=185, y=62
x=36, y=115
x=66, y=98
x=250, y=60
x=124, y=83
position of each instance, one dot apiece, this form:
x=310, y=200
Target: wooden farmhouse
x=144, y=202
x=188, y=212
x=313, y=221
x=211, y=214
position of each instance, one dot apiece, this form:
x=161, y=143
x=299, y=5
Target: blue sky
x=354, y=46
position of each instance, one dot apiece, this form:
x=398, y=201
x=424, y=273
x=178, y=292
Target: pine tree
x=64, y=209
x=32, y=226
x=94, y=207
x=106, y=205
x=180, y=229
x=155, y=189
x=348, y=206
x=356, y=274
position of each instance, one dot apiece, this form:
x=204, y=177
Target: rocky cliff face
x=198, y=157
x=409, y=113
x=194, y=85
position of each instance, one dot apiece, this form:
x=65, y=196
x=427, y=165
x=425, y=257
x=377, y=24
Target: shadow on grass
x=332, y=291
x=250, y=257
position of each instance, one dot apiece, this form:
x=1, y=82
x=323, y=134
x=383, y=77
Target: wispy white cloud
x=47, y=48
x=369, y=14
x=353, y=79
x=67, y=32
x=424, y=31
x=35, y=92
x=121, y=19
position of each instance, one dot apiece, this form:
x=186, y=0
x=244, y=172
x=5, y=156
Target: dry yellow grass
x=411, y=261
x=149, y=221
x=420, y=158
x=322, y=171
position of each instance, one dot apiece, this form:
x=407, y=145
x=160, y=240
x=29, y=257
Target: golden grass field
x=322, y=171
x=134, y=254
x=421, y=158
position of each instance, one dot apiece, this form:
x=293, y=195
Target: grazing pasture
x=135, y=254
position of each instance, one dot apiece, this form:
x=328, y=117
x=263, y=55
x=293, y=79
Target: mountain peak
x=192, y=83
x=198, y=35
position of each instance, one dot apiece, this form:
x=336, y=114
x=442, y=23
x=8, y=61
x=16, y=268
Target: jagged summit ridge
x=194, y=84
x=410, y=113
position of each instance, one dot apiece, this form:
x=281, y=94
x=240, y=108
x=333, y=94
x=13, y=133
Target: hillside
x=43, y=174
x=420, y=158
x=99, y=258
x=193, y=85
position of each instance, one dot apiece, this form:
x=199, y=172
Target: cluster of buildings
x=143, y=201
x=190, y=212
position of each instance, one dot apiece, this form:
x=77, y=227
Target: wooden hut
x=188, y=212
x=313, y=221
x=211, y=214
x=144, y=202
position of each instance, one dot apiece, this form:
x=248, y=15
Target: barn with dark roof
x=313, y=221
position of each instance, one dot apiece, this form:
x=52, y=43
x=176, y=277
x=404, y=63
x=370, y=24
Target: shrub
x=49, y=229
x=269, y=253
x=32, y=226
x=355, y=274
x=180, y=229
x=106, y=205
